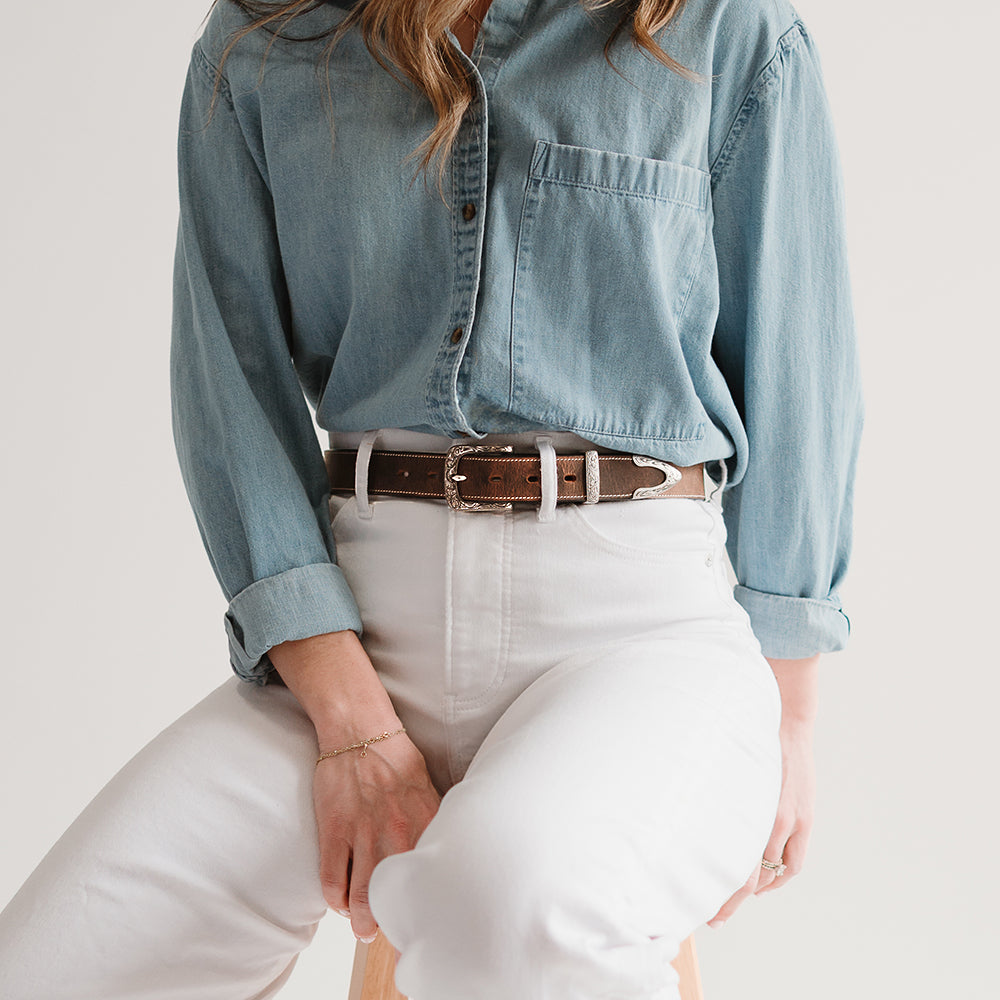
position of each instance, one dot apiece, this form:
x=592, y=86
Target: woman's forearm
x=335, y=682
x=798, y=681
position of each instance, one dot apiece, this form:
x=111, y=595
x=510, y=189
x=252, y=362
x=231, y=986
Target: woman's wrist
x=336, y=684
x=798, y=682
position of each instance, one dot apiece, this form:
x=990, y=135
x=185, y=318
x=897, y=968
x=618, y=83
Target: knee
x=492, y=901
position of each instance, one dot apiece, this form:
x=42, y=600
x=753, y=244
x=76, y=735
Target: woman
x=498, y=703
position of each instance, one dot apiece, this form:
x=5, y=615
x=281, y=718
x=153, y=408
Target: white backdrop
x=113, y=619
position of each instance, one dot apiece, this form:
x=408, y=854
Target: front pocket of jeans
x=652, y=530
x=608, y=247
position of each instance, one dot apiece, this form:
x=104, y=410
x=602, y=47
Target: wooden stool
x=375, y=964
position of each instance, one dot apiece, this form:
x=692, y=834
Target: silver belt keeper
x=592, y=472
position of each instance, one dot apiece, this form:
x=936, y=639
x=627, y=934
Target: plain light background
x=112, y=619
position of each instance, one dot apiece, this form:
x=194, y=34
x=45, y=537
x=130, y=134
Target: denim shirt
x=654, y=263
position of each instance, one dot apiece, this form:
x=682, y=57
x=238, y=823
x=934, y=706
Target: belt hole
x=532, y=479
x=495, y=479
x=570, y=477
x=402, y=472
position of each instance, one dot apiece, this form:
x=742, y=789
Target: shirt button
x=456, y=335
x=468, y=211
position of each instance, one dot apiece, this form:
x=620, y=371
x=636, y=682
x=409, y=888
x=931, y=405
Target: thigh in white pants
x=592, y=705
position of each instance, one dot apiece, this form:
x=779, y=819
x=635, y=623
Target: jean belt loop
x=721, y=486
x=365, y=446
x=550, y=480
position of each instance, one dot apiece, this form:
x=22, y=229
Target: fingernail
x=367, y=940
x=717, y=923
x=344, y=913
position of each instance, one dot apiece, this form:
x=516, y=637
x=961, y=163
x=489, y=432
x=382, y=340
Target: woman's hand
x=797, y=681
x=366, y=807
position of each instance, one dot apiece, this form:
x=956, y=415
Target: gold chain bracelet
x=363, y=744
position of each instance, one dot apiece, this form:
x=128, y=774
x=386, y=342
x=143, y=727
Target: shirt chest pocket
x=608, y=247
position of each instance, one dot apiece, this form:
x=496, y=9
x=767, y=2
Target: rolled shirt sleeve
x=785, y=341
x=249, y=456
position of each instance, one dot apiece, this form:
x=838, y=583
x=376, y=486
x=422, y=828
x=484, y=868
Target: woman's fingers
x=362, y=864
x=793, y=856
x=761, y=878
x=335, y=856
x=774, y=851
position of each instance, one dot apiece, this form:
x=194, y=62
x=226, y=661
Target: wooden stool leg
x=375, y=966
x=686, y=964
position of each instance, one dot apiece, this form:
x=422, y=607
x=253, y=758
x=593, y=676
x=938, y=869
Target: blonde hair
x=410, y=34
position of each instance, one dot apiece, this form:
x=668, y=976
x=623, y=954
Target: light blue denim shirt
x=655, y=264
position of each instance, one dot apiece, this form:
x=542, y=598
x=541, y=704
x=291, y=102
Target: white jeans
x=592, y=705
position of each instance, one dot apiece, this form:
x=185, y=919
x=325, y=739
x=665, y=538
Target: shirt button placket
x=468, y=191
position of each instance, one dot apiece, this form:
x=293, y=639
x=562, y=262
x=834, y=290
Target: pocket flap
x=611, y=171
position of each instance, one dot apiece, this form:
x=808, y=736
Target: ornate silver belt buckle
x=671, y=477
x=452, y=478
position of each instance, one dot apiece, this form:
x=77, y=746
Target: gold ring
x=778, y=867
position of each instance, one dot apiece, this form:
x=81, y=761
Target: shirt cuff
x=794, y=628
x=301, y=602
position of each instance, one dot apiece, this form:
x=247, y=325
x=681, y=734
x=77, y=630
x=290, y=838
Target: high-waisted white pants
x=592, y=705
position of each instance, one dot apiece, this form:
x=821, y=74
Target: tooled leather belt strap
x=471, y=477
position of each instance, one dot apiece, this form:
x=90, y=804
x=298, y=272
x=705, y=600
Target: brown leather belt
x=493, y=478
